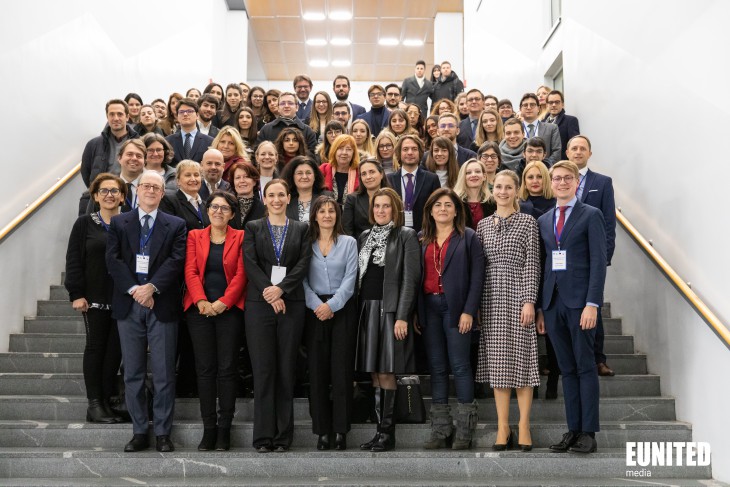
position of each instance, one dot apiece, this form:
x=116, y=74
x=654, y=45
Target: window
x=558, y=80
x=555, y=11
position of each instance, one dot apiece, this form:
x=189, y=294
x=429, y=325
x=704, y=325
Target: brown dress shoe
x=605, y=371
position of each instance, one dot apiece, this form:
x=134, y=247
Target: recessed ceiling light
x=388, y=41
x=313, y=16
x=340, y=15
x=340, y=41
x=413, y=42
x=341, y=63
x=316, y=42
x=319, y=63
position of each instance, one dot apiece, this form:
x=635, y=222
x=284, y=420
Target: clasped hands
x=208, y=309
x=272, y=295
x=143, y=295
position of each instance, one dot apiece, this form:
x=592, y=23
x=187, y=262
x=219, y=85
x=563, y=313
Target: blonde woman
x=360, y=130
x=473, y=189
x=489, y=128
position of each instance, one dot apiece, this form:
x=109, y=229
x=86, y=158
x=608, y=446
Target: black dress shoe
x=164, y=444
x=97, y=413
x=584, y=444
x=323, y=442
x=281, y=449
x=604, y=370
x=138, y=443
x=264, y=449
x=209, y=439
x=568, y=440
x=341, y=441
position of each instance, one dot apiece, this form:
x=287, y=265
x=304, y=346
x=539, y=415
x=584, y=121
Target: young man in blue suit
x=189, y=142
x=574, y=237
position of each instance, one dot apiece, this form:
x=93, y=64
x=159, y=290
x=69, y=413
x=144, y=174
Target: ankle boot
x=208, y=441
x=442, y=427
x=386, y=441
x=96, y=413
x=378, y=414
x=467, y=417
x=110, y=412
x=223, y=441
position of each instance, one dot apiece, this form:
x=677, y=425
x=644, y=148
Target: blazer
x=465, y=136
x=412, y=93
x=259, y=258
x=196, y=259
x=568, y=127
x=356, y=214
x=584, y=240
x=426, y=183
x=598, y=192
x=303, y=114
x=463, y=154
x=488, y=209
x=177, y=204
x=550, y=133
x=205, y=194
x=400, y=285
x=357, y=110
x=200, y=145
x=462, y=277
x=258, y=210
x=167, y=257
x=292, y=209
x=368, y=117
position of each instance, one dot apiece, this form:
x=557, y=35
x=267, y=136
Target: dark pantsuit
x=102, y=354
x=138, y=330
x=600, y=336
x=215, y=345
x=274, y=340
x=331, y=347
x=574, y=350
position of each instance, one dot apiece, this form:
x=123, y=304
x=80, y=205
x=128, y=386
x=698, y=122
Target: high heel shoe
x=525, y=447
x=505, y=446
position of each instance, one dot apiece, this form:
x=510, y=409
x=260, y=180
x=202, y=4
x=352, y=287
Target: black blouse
x=86, y=272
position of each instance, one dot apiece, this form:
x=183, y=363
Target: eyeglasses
x=447, y=126
x=186, y=112
x=341, y=114
x=528, y=105
x=150, y=187
x=109, y=191
x=286, y=103
x=558, y=179
x=320, y=102
x=555, y=102
x=385, y=146
x=376, y=94
x=221, y=208
x=334, y=132
x=486, y=157
x=473, y=99
x=302, y=87
x=155, y=151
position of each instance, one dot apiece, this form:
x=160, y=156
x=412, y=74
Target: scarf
x=511, y=157
x=375, y=245
x=245, y=204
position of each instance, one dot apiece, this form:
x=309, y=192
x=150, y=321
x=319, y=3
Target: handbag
x=409, y=407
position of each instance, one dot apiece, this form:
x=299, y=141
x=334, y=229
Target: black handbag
x=409, y=406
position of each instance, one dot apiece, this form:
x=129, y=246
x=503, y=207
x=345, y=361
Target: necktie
x=145, y=230
x=130, y=195
x=188, y=146
x=530, y=131
x=561, y=223
x=409, y=191
x=302, y=108
x=474, y=128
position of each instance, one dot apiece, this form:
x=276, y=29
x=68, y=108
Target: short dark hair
x=475, y=90
x=208, y=98
x=503, y=102
x=537, y=142
x=514, y=121
x=318, y=203
x=302, y=77
x=339, y=104
x=556, y=92
x=529, y=95
x=189, y=102
x=250, y=171
x=421, y=62
x=341, y=76
x=496, y=100
x=226, y=195
x=117, y=101
x=392, y=85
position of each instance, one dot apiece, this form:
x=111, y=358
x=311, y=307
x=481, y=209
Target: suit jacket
x=356, y=214
x=167, y=257
x=465, y=137
x=201, y=143
x=368, y=117
x=304, y=114
x=205, y=194
x=463, y=154
x=357, y=110
x=568, y=127
x=258, y=210
x=177, y=204
x=462, y=277
x=412, y=93
x=426, y=183
x=584, y=240
x=488, y=209
x=598, y=192
x=400, y=285
x=196, y=259
x=550, y=133
x=259, y=258
x=292, y=209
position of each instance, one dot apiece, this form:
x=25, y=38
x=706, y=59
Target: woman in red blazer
x=214, y=296
x=340, y=172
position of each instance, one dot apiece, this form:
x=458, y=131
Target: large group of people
x=233, y=229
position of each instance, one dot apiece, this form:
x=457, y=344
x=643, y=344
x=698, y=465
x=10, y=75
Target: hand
x=324, y=312
x=148, y=303
x=465, y=323
x=143, y=294
x=80, y=304
x=400, y=330
x=279, y=306
x=540, y=323
x=272, y=293
x=218, y=307
x=203, y=307
x=527, y=315
x=588, y=318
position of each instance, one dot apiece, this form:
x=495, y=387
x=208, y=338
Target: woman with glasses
x=307, y=183
x=384, y=150
x=321, y=114
x=444, y=105
x=256, y=103
x=490, y=154
x=332, y=130
x=416, y=118
x=355, y=214
x=159, y=154
x=215, y=284
x=489, y=128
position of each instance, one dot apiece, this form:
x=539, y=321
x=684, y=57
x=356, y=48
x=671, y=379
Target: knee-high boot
x=386, y=440
x=379, y=414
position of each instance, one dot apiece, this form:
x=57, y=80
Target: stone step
x=73, y=408
x=55, y=324
x=399, y=467
x=73, y=384
x=56, y=308
x=613, y=434
x=58, y=293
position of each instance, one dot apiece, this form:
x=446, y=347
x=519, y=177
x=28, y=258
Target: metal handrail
x=689, y=295
x=40, y=201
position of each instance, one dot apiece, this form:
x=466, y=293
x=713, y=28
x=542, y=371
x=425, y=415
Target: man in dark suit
x=418, y=89
x=413, y=184
x=596, y=190
x=207, y=110
x=303, y=87
x=377, y=116
x=145, y=256
x=468, y=127
x=567, y=124
x=574, y=237
x=529, y=109
x=449, y=127
x=189, y=142
x=341, y=87
x=287, y=118
x=212, y=168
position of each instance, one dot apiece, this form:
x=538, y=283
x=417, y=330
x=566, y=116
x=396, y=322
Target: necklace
x=219, y=240
x=325, y=248
x=438, y=262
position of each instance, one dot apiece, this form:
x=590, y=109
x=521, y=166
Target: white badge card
x=560, y=260
x=409, y=219
x=278, y=274
x=143, y=264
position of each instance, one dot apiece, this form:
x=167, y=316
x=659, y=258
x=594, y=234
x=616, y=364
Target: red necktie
x=561, y=223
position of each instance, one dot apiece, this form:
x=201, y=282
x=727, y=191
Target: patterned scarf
x=375, y=245
x=245, y=204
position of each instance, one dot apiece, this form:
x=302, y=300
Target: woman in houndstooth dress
x=508, y=342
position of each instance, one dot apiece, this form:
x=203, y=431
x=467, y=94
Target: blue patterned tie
x=188, y=146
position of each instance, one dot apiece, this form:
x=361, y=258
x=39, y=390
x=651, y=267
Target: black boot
x=96, y=413
x=386, y=441
x=378, y=414
x=110, y=412
x=208, y=441
x=223, y=442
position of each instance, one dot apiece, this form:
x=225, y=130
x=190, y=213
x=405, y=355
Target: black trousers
x=102, y=354
x=331, y=348
x=273, y=340
x=186, y=384
x=215, y=346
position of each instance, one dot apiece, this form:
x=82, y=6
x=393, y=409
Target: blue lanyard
x=143, y=241
x=106, y=227
x=280, y=247
x=132, y=204
x=200, y=215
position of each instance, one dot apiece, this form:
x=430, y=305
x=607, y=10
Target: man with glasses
x=468, y=127
x=341, y=113
x=567, y=124
x=418, y=88
x=392, y=96
x=145, y=256
x=529, y=109
x=212, y=168
x=535, y=150
x=448, y=126
x=303, y=87
x=189, y=142
x=574, y=236
x=160, y=107
x=287, y=118
x=490, y=102
x=208, y=108
x=377, y=116
x=341, y=87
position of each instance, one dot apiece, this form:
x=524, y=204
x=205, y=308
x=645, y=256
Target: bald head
x=212, y=166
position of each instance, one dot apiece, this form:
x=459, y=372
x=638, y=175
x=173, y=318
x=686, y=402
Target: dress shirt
x=434, y=255
x=196, y=202
x=420, y=81
x=536, y=124
x=153, y=217
x=204, y=129
x=570, y=204
x=581, y=182
x=332, y=275
x=212, y=187
x=132, y=198
x=404, y=179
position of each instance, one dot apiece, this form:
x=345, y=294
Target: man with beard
x=207, y=109
x=341, y=87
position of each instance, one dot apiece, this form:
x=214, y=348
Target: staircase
x=45, y=441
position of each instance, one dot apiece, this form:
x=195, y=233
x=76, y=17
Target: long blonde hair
x=460, y=186
x=547, y=191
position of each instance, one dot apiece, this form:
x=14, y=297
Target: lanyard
x=143, y=241
x=132, y=204
x=200, y=214
x=280, y=247
x=106, y=227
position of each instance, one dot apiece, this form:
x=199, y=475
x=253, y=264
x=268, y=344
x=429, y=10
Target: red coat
x=353, y=181
x=197, y=256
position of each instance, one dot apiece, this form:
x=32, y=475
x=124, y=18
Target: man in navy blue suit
x=596, y=190
x=377, y=116
x=341, y=87
x=189, y=142
x=574, y=237
x=567, y=124
x=145, y=256
x=468, y=126
x=303, y=87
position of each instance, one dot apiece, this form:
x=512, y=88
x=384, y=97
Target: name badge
x=560, y=260
x=143, y=264
x=278, y=273
x=409, y=219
